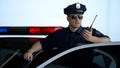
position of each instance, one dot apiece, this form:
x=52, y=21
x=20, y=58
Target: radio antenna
x=92, y=22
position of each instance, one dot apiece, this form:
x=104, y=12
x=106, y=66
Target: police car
x=19, y=39
x=14, y=41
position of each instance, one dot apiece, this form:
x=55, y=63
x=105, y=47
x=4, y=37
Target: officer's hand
x=28, y=56
x=87, y=34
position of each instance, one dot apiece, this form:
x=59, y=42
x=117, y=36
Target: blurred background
x=50, y=13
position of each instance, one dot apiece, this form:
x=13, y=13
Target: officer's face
x=75, y=20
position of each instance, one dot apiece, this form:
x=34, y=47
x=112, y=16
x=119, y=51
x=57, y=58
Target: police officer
x=70, y=36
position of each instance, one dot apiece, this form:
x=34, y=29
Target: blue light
x=3, y=30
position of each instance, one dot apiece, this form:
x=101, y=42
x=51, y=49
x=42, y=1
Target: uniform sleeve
x=99, y=34
x=49, y=42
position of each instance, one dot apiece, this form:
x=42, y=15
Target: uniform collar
x=80, y=30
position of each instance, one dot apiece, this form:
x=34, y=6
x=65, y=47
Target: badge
x=78, y=5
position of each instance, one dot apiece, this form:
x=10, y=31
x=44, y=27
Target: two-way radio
x=89, y=28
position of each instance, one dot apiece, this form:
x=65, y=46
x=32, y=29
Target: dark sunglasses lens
x=80, y=17
x=73, y=17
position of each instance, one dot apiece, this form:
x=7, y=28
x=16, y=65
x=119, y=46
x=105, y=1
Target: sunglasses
x=76, y=16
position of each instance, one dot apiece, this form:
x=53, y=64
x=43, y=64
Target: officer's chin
x=77, y=25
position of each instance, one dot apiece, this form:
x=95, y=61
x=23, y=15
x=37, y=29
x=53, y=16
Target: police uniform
x=65, y=38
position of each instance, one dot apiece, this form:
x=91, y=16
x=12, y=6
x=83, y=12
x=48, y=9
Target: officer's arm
x=96, y=38
x=36, y=47
x=29, y=54
x=100, y=39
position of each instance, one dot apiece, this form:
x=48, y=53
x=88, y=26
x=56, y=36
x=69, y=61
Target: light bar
x=43, y=30
x=28, y=30
x=3, y=30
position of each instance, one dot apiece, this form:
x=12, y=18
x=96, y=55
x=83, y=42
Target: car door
x=102, y=55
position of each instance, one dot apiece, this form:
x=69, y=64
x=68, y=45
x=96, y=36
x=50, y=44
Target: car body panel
x=78, y=48
x=12, y=43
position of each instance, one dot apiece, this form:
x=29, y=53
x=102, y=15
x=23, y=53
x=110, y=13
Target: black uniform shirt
x=65, y=38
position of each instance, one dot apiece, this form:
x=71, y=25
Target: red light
x=43, y=30
x=34, y=30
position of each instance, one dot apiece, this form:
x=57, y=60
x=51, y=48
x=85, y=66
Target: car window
x=74, y=59
x=100, y=57
x=21, y=38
